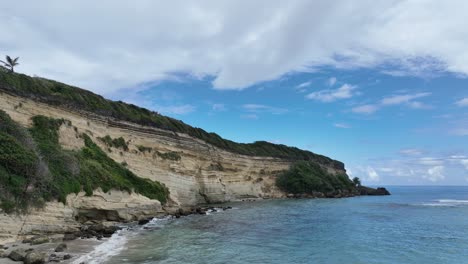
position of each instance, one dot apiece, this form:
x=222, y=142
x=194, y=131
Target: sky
x=379, y=85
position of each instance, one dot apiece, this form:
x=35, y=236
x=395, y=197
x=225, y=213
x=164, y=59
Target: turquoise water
x=414, y=225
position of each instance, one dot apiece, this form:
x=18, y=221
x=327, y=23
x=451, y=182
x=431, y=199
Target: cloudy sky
x=380, y=85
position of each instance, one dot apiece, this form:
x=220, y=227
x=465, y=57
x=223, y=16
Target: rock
x=183, y=212
x=110, y=230
x=35, y=258
x=143, y=221
x=39, y=240
x=2, y=253
x=69, y=236
x=61, y=247
x=17, y=255
x=67, y=256
x=27, y=240
x=371, y=191
x=290, y=195
x=382, y=191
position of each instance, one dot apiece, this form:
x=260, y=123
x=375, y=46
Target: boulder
x=35, y=258
x=61, y=247
x=17, y=255
x=143, y=221
x=69, y=236
x=67, y=256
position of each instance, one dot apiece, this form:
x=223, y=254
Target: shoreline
x=80, y=246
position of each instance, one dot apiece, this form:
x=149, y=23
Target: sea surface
x=420, y=225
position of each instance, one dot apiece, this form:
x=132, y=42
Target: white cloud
x=430, y=161
x=301, y=88
x=175, y=109
x=365, y=109
x=435, y=174
x=303, y=85
x=411, y=152
x=460, y=132
x=404, y=98
x=341, y=125
x=259, y=108
x=326, y=96
x=462, y=102
x=372, y=175
x=331, y=81
x=121, y=44
x=219, y=107
x=464, y=163
x=250, y=116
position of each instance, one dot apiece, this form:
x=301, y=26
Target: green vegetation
x=11, y=63
x=144, y=149
x=99, y=170
x=114, y=142
x=34, y=168
x=56, y=93
x=308, y=177
x=357, y=182
x=171, y=155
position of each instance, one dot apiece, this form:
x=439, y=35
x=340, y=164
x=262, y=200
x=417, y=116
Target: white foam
x=438, y=204
x=104, y=251
x=453, y=201
x=447, y=203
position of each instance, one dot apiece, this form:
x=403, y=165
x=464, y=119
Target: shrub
x=144, y=149
x=171, y=155
x=116, y=142
x=308, y=177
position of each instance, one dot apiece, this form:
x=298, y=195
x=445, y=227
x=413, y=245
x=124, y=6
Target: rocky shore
x=359, y=191
x=59, y=248
x=62, y=248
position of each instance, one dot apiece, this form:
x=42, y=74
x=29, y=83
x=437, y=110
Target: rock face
x=56, y=217
x=203, y=174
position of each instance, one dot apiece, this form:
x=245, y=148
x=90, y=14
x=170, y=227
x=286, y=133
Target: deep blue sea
x=420, y=225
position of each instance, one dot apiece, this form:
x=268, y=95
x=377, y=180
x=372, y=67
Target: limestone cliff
x=202, y=173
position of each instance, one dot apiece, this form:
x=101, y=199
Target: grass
x=34, y=168
x=56, y=93
x=309, y=177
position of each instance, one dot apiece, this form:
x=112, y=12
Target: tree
x=357, y=182
x=11, y=63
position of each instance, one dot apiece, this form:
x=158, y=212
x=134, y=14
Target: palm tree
x=11, y=62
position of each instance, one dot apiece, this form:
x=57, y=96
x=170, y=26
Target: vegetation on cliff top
x=34, y=168
x=309, y=177
x=56, y=93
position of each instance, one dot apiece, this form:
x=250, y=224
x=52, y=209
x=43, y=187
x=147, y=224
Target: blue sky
x=387, y=129
x=380, y=85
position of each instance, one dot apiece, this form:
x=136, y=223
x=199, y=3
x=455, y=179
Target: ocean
x=413, y=225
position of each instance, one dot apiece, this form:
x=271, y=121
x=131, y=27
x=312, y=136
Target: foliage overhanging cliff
x=34, y=168
x=56, y=93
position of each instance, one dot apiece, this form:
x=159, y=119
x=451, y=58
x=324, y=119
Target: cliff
x=193, y=168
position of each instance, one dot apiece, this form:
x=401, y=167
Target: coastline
x=102, y=240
